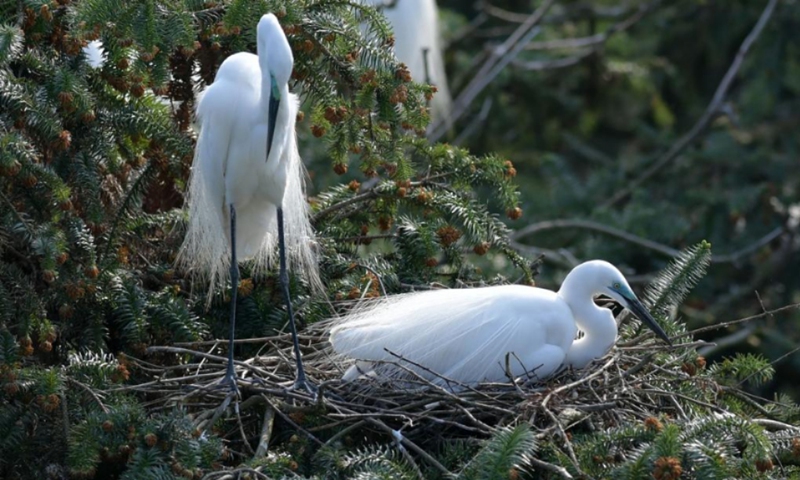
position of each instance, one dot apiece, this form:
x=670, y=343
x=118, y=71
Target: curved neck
x=597, y=324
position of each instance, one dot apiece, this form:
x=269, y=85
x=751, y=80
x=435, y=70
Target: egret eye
x=616, y=285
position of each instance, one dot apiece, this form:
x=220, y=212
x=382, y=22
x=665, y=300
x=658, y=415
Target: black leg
x=230, y=374
x=300, y=382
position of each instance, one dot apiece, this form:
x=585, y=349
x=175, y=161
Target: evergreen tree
x=103, y=343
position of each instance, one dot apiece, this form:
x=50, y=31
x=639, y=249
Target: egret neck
x=598, y=324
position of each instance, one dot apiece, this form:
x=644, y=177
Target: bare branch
x=591, y=43
x=539, y=65
x=572, y=12
x=705, y=119
x=498, y=59
x=637, y=240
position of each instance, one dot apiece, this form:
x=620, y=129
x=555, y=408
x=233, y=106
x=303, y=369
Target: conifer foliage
x=93, y=163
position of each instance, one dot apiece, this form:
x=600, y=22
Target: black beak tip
x=640, y=311
x=274, y=103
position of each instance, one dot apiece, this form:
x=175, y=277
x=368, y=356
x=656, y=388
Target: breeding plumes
x=246, y=191
x=417, y=43
x=489, y=334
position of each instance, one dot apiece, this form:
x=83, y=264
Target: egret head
x=274, y=52
x=605, y=279
x=276, y=61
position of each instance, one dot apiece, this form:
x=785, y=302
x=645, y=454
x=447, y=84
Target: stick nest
x=630, y=384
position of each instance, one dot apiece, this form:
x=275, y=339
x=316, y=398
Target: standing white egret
x=247, y=176
x=415, y=24
x=475, y=335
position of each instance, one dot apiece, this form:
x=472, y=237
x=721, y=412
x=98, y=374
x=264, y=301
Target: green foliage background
x=93, y=163
x=579, y=134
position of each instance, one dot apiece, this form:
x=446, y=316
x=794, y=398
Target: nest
x=622, y=387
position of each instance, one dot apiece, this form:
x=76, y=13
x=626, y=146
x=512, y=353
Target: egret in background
x=489, y=334
x=417, y=43
x=246, y=189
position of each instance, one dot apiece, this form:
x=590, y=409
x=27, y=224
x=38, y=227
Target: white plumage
x=475, y=335
x=247, y=168
x=231, y=167
x=94, y=52
x=415, y=24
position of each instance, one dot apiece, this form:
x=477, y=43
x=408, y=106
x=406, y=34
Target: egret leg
x=230, y=374
x=300, y=381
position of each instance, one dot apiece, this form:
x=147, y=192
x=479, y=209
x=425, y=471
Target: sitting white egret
x=475, y=335
x=247, y=176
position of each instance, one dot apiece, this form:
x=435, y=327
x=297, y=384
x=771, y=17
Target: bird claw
x=228, y=383
x=301, y=384
x=232, y=396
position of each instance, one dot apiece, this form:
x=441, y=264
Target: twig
x=640, y=241
x=91, y=392
x=266, y=432
x=361, y=197
x=705, y=119
x=594, y=41
x=639, y=366
x=785, y=355
x=580, y=381
x=65, y=414
x=572, y=12
x=272, y=338
x=595, y=226
x=345, y=431
x=466, y=30
x=727, y=341
x=539, y=65
x=717, y=326
x=498, y=59
x=560, y=428
x=363, y=238
x=774, y=424
x=374, y=192
x=561, y=471
x=377, y=275
x=293, y=423
x=413, y=446
x=241, y=428
x=479, y=120
x=235, y=474
x=208, y=356
x=663, y=393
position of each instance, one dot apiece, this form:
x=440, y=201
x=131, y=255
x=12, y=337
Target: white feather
x=231, y=167
x=462, y=334
x=415, y=24
x=484, y=334
x=94, y=53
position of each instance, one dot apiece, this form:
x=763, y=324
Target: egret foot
x=227, y=384
x=229, y=381
x=302, y=384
